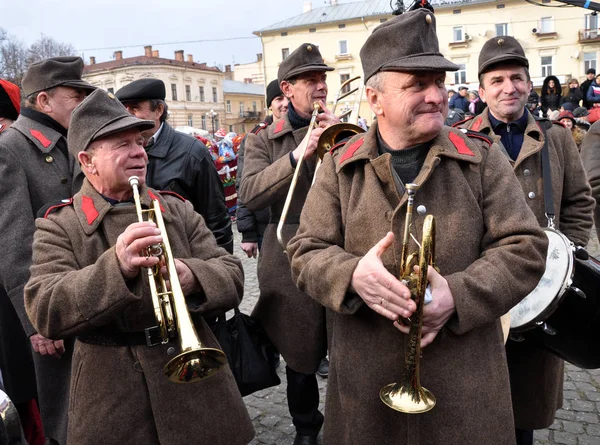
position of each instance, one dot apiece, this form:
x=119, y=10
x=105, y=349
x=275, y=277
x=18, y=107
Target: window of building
x=254, y=106
x=458, y=34
x=343, y=78
x=188, y=94
x=312, y=30
x=173, y=91
x=591, y=22
x=283, y=34
x=546, y=25
x=111, y=90
x=589, y=61
x=215, y=99
x=382, y=20
x=341, y=26
x=231, y=128
x=460, y=76
x=456, y=11
x=228, y=106
x=546, y=66
x=241, y=109
x=285, y=52
x=217, y=121
x=204, y=122
x=201, y=94
x=343, y=47
x=501, y=29
x=190, y=120
x=500, y=6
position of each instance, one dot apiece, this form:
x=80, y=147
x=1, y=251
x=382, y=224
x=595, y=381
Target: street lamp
x=212, y=116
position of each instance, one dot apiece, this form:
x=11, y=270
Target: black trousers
x=524, y=437
x=303, y=402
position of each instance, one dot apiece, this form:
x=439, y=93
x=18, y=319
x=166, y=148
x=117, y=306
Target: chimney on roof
x=118, y=55
x=227, y=68
x=333, y=2
x=307, y=6
x=259, y=57
x=179, y=55
x=155, y=53
x=247, y=80
x=148, y=50
x=92, y=60
x=190, y=58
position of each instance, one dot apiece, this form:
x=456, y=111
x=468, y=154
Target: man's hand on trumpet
x=131, y=247
x=324, y=120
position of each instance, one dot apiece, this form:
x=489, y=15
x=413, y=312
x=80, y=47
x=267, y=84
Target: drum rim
x=567, y=281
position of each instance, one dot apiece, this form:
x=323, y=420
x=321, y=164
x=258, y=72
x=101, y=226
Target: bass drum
x=562, y=314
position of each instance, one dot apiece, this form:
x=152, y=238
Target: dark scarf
x=44, y=119
x=296, y=120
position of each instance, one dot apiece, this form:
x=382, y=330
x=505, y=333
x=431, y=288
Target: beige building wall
x=560, y=41
x=190, y=106
x=254, y=71
x=243, y=111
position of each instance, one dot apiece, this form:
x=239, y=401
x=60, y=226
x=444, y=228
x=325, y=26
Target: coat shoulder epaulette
x=169, y=192
x=259, y=128
x=477, y=135
x=53, y=207
x=340, y=144
x=459, y=123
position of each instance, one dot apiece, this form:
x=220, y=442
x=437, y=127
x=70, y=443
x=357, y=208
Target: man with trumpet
x=294, y=322
x=87, y=281
x=346, y=255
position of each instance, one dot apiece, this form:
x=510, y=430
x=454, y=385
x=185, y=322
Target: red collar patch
x=460, y=145
x=279, y=126
x=476, y=124
x=2, y=127
x=40, y=137
x=89, y=209
x=153, y=197
x=352, y=149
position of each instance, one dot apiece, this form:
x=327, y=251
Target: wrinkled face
x=413, y=106
x=567, y=122
x=505, y=90
x=109, y=162
x=279, y=106
x=62, y=102
x=306, y=90
x=143, y=110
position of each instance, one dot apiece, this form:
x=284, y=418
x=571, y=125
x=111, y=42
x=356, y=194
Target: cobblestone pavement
x=577, y=423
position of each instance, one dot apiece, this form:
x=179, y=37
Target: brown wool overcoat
x=590, y=156
x=35, y=169
x=488, y=246
x=294, y=322
x=119, y=395
x=536, y=376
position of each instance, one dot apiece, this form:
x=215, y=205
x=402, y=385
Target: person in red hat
x=10, y=103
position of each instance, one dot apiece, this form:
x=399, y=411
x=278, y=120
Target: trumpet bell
x=401, y=399
x=334, y=134
x=194, y=365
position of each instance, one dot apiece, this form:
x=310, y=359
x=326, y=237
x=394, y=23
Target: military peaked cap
x=501, y=49
x=142, y=89
x=407, y=42
x=100, y=115
x=54, y=72
x=305, y=58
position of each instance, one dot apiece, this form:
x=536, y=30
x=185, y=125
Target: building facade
x=560, y=41
x=253, y=71
x=194, y=91
x=244, y=105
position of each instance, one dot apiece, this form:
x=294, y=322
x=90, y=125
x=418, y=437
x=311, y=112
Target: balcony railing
x=589, y=35
x=256, y=115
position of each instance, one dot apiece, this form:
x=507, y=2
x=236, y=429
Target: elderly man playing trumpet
x=87, y=281
x=347, y=255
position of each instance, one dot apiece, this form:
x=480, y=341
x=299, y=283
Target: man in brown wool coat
x=489, y=249
x=536, y=375
x=86, y=281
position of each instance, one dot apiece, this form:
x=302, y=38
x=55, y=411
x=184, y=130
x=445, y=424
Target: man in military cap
x=294, y=322
x=86, y=280
x=536, y=376
x=347, y=255
x=36, y=168
x=176, y=161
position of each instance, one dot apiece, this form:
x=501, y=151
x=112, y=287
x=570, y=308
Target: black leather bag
x=251, y=355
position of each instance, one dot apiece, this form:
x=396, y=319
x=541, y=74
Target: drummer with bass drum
x=536, y=375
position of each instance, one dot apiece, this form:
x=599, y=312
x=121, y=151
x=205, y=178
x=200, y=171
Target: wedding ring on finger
x=382, y=301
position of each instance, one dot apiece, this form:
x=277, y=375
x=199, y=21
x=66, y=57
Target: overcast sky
x=91, y=25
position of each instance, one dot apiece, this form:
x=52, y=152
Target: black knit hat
x=142, y=89
x=407, y=42
x=99, y=115
x=273, y=91
x=54, y=72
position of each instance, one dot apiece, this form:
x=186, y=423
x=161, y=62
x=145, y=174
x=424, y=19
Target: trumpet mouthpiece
x=134, y=180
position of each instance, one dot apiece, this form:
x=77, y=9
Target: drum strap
x=547, y=177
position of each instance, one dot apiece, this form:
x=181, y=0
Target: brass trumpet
x=408, y=396
x=195, y=362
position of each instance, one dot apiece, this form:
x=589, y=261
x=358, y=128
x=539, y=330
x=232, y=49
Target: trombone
x=195, y=362
x=408, y=396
